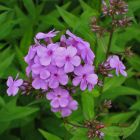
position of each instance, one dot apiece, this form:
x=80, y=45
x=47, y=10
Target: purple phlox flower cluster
x=13, y=86
x=61, y=102
x=53, y=65
x=114, y=63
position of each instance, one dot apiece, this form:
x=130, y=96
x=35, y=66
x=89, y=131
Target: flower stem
x=109, y=43
x=107, y=53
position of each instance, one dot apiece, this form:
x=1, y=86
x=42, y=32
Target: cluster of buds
x=124, y=22
x=116, y=9
x=104, y=70
x=94, y=129
x=107, y=104
x=97, y=28
x=26, y=87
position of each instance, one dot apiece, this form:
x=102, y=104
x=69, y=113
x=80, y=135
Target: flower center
x=56, y=75
x=84, y=76
x=50, y=52
x=67, y=58
x=58, y=96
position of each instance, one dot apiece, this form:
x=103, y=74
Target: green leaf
x=20, y=57
x=80, y=134
x=135, y=135
x=6, y=29
x=54, y=124
x=119, y=117
x=5, y=53
x=100, y=51
x=136, y=106
x=85, y=6
x=2, y=102
x=29, y=5
x=88, y=11
x=48, y=136
x=111, y=138
x=3, y=17
x=122, y=131
x=134, y=5
x=124, y=37
x=4, y=8
x=116, y=80
x=4, y=126
x=134, y=61
x=113, y=131
x=88, y=104
x=113, y=93
x=128, y=131
x=52, y=18
x=12, y=112
x=16, y=113
x=27, y=39
x=83, y=29
x=4, y=64
x=69, y=18
x=20, y=14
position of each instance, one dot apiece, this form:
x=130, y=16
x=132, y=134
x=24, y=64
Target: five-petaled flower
x=13, y=86
x=85, y=76
x=46, y=36
x=116, y=64
x=58, y=76
x=67, y=58
x=46, y=55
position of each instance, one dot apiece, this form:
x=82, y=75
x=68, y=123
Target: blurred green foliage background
x=24, y=117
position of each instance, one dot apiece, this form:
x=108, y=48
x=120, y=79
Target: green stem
x=107, y=53
x=109, y=44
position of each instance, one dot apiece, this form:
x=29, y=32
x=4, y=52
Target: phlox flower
x=66, y=111
x=46, y=36
x=58, y=97
x=39, y=83
x=116, y=64
x=13, y=86
x=58, y=76
x=85, y=76
x=46, y=54
x=40, y=70
x=68, y=58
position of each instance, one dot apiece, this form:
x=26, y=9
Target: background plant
x=26, y=118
